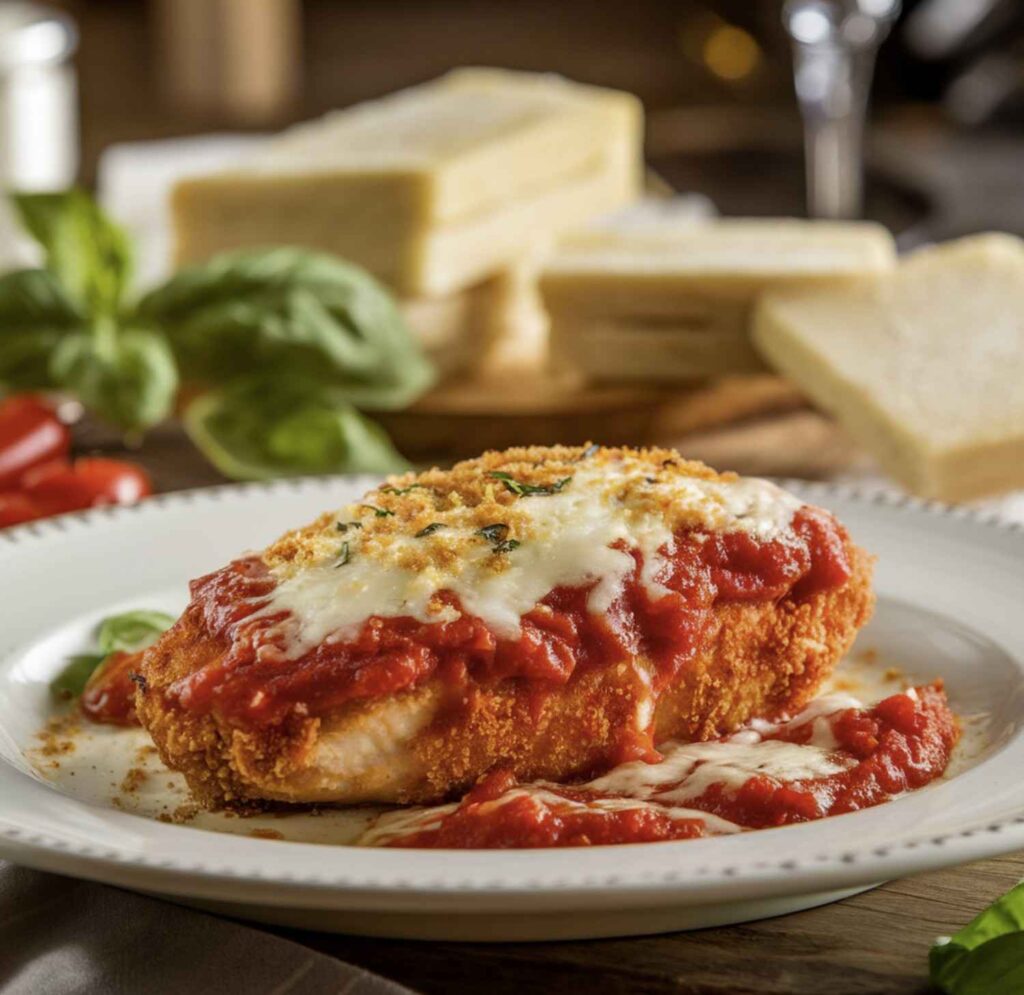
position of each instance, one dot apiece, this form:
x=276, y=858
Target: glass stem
x=832, y=84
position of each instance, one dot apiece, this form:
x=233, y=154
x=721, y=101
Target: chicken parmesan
x=549, y=612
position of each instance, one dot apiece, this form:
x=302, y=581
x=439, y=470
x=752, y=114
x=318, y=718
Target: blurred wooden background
x=155, y=68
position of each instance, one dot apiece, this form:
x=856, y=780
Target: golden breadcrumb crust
x=473, y=495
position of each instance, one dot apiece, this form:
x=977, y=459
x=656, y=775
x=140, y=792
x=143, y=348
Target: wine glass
x=834, y=48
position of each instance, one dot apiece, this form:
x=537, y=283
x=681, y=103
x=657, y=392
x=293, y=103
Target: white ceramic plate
x=951, y=591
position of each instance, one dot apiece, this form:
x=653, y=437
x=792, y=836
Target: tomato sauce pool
x=873, y=755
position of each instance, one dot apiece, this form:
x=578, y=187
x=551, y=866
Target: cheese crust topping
x=501, y=532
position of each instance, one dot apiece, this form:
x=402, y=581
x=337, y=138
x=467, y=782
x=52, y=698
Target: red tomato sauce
x=900, y=744
x=255, y=682
x=109, y=697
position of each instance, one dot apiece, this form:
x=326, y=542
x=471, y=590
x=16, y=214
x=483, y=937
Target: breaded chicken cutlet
x=550, y=610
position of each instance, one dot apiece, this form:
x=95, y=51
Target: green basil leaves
x=128, y=632
x=284, y=345
x=265, y=427
x=303, y=313
x=67, y=326
x=132, y=631
x=88, y=255
x=35, y=315
x=987, y=956
x=128, y=378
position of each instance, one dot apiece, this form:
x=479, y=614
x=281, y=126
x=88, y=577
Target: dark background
x=139, y=79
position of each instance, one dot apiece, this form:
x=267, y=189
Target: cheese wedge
x=924, y=367
x=667, y=297
x=433, y=188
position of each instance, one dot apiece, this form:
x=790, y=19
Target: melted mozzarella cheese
x=568, y=540
x=687, y=770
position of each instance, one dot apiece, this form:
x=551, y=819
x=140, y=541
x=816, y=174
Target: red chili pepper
x=59, y=486
x=30, y=433
x=16, y=508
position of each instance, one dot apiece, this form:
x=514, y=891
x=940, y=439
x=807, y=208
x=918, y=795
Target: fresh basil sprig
x=304, y=313
x=69, y=326
x=263, y=427
x=987, y=956
x=132, y=631
x=282, y=344
x=88, y=255
x=128, y=632
x=35, y=317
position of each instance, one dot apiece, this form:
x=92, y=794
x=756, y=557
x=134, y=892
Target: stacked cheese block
x=648, y=295
x=436, y=190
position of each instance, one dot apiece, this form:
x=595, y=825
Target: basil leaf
x=128, y=378
x=132, y=631
x=86, y=252
x=388, y=489
x=301, y=313
x=520, y=489
x=987, y=956
x=128, y=632
x=493, y=533
x=268, y=427
x=71, y=681
x=35, y=315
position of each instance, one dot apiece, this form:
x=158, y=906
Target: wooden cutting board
x=753, y=424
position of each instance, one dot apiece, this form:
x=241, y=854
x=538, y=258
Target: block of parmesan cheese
x=924, y=366
x=665, y=298
x=432, y=189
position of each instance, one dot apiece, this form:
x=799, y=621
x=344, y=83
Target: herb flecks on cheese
x=570, y=518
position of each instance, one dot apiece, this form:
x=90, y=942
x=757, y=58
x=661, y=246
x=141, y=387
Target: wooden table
x=876, y=942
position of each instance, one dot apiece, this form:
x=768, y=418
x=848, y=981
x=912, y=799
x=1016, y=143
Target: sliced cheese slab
x=669, y=351
x=666, y=267
x=665, y=295
x=924, y=367
x=433, y=188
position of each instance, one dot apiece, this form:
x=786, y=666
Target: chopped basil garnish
x=496, y=535
x=402, y=490
x=591, y=450
x=378, y=512
x=429, y=530
x=493, y=533
x=345, y=526
x=344, y=555
x=528, y=490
